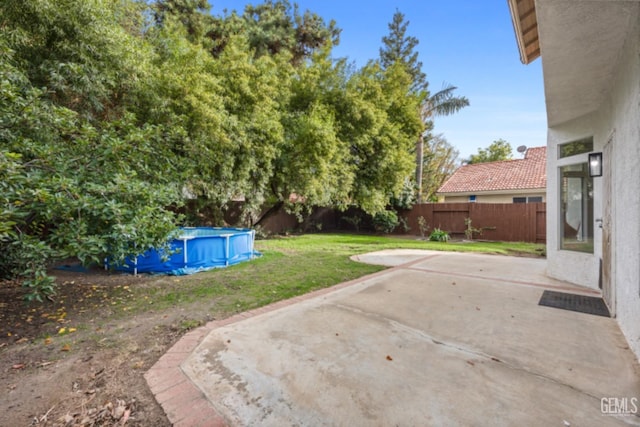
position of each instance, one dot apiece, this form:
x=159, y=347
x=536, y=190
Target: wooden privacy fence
x=517, y=222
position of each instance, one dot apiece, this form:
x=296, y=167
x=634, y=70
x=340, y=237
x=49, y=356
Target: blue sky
x=467, y=43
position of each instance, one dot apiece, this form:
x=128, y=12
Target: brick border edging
x=184, y=404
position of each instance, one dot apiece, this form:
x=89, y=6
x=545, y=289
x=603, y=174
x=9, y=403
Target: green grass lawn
x=296, y=265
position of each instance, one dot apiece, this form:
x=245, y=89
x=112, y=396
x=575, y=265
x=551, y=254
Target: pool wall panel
x=206, y=248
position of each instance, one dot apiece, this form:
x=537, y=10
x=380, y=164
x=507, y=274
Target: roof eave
x=526, y=36
x=534, y=190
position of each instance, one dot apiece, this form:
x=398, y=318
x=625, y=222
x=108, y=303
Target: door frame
x=608, y=226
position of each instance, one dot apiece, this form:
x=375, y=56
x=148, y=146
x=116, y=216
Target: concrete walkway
x=440, y=339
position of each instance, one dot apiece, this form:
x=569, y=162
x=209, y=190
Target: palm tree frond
x=443, y=103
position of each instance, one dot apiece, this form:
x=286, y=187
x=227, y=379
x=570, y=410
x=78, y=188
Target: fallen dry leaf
x=118, y=412
x=126, y=415
x=66, y=347
x=18, y=366
x=389, y=357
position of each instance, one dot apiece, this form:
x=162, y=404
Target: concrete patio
x=438, y=339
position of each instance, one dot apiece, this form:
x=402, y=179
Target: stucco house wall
x=618, y=119
x=491, y=198
x=575, y=267
x=621, y=114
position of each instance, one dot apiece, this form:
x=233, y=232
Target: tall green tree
x=223, y=116
x=253, y=92
x=83, y=56
x=314, y=161
x=398, y=47
x=382, y=125
x=442, y=103
x=81, y=176
x=194, y=15
x=112, y=112
x=440, y=161
x=498, y=150
x=275, y=26
x=74, y=187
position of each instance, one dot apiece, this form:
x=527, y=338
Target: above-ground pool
x=197, y=249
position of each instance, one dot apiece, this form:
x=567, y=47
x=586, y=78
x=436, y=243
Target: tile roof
x=520, y=174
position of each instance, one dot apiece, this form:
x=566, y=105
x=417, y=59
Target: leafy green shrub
x=353, y=220
x=385, y=221
x=404, y=223
x=71, y=188
x=438, y=235
x=261, y=233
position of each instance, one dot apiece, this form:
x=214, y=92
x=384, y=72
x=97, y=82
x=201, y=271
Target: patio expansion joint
x=556, y=381
x=462, y=349
x=567, y=287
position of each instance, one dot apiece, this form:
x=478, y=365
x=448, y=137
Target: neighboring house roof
x=522, y=174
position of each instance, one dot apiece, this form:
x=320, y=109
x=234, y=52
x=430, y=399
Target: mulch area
x=78, y=296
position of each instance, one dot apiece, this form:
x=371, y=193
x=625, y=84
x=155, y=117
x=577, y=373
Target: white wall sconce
x=595, y=164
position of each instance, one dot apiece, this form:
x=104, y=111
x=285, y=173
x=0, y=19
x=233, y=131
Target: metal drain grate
x=573, y=302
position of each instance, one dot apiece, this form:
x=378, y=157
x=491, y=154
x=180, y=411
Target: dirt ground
x=79, y=360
